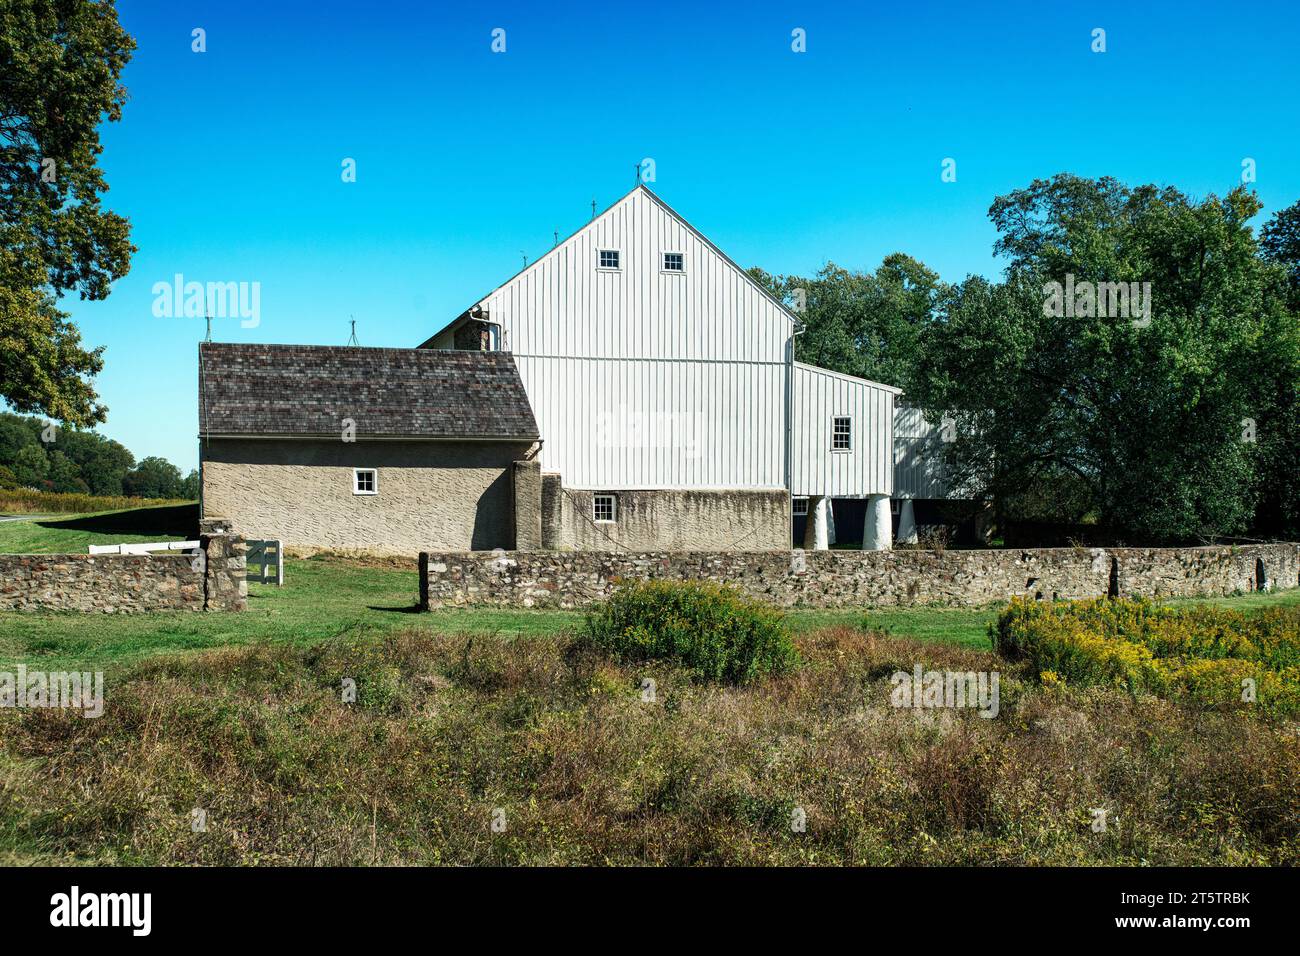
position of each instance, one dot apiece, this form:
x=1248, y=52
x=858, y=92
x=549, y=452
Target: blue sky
x=228, y=162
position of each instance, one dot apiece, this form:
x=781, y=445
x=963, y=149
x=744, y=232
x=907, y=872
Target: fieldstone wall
x=859, y=578
x=129, y=583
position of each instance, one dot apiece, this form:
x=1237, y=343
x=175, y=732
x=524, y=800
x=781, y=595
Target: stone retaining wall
x=130, y=583
x=548, y=579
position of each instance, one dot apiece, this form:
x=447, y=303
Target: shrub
x=711, y=629
x=1201, y=653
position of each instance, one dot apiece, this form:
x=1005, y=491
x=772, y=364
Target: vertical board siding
x=701, y=424
x=918, y=456
x=867, y=469
x=706, y=346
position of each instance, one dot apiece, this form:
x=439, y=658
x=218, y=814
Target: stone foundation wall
x=129, y=583
x=860, y=578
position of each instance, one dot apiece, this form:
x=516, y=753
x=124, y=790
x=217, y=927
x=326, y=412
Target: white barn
x=671, y=409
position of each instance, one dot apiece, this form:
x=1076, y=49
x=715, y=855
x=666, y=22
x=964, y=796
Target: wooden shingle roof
x=301, y=390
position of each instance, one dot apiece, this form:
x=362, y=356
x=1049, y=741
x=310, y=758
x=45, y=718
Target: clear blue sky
x=228, y=162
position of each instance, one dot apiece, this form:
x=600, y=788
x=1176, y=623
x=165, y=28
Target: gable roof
x=818, y=370
x=307, y=391
x=621, y=199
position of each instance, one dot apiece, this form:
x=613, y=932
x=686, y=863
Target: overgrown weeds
x=564, y=747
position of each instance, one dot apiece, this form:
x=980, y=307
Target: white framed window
x=608, y=259
x=895, y=506
x=800, y=506
x=841, y=433
x=674, y=262
x=604, y=508
x=365, y=481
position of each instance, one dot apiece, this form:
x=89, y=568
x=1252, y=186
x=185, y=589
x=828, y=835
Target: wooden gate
x=265, y=562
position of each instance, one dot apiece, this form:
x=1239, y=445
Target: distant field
x=60, y=534
x=24, y=502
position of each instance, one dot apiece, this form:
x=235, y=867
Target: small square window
x=801, y=506
x=365, y=481
x=842, y=434
x=895, y=506
x=608, y=259
x=674, y=262
x=604, y=508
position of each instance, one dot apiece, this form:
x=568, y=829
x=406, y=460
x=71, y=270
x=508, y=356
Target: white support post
x=816, y=534
x=877, y=530
x=906, y=522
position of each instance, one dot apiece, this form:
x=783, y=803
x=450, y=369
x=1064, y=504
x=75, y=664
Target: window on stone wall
x=842, y=433
x=604, y=508
x=801, y=506
x=365, y=481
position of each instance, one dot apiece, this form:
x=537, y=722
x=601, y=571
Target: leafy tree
x=30, y=466
x=64, y=475
x=60, y=63
x=863, y=324
x=102, y=462
x=153, y=478
x=1280, y=242
x=16, y=433
x=190, y=486
x=1148, y=420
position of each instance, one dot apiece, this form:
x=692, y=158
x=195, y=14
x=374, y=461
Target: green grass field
x=460, y=712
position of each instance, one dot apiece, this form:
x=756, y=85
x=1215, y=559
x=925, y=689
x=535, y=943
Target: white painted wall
x=867, y=469
x=697, y=358
x=918, y=456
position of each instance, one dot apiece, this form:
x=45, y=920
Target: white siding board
x=642, y=341
x=867, y=469
x=918, y=456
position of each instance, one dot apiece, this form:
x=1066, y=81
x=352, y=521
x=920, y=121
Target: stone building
x=383, y=450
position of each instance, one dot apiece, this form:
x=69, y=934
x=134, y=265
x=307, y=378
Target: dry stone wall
x=130, y=583
x=549, y=579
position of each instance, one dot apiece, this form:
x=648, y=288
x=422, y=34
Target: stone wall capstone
x=830, y=579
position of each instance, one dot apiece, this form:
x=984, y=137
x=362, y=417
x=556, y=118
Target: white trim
x=848, y=378
x=143, y=548
x=785, y=309
x=356, y=482
x=835, y=420
x=617, y=252
x=663, y=262
x=795, y=501
x=613, y=508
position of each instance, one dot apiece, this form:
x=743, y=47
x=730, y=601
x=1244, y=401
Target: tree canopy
x=60, y=64
x=1160, y=400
